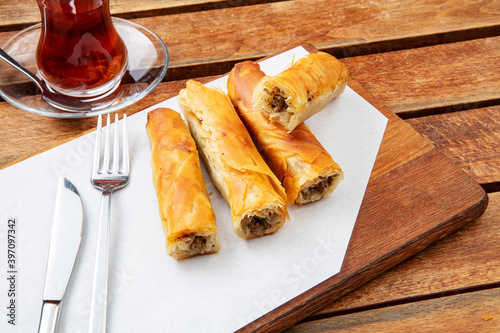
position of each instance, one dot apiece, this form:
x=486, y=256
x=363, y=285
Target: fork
x=107, y=178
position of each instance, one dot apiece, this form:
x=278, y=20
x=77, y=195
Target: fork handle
x=98, y=308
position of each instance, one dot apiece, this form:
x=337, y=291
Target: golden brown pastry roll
x=302, y=90
x=254, y=194
x=186, y=212
x=298, y=159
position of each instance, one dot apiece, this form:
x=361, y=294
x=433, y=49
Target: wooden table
x=435, y=64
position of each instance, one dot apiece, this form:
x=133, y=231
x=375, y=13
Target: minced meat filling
x=278, y=102
x=254, y=225
x=196, y=243
x=260, y=225
x=317, y=189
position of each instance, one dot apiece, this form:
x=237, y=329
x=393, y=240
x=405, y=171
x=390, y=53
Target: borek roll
x=302, y=90
x=255, y=196
x=298, y=159
x=186, y=213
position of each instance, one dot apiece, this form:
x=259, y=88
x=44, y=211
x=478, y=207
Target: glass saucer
x=147, y=65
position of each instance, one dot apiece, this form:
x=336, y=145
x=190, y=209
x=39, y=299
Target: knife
x=64, y=244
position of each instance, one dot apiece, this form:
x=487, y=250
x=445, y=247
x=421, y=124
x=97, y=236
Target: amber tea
x=79, y=51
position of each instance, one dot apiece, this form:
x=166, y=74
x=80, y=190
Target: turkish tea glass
x=80, y=52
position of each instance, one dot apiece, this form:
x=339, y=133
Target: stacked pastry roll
x=302, y=90
x=186, y=213
x=254, y=194
x=298, y=159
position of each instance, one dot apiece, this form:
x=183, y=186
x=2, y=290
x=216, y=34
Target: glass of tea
x=80, y=52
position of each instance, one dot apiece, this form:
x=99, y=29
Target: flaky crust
x=302, y=90
x=186, y=213
x=252, y=191
x=297, y=158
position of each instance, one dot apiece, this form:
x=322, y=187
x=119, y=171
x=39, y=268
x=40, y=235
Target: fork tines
x=102, y=165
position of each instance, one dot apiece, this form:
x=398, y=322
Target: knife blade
x=65, y=241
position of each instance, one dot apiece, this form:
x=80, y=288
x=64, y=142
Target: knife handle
x=49, y=317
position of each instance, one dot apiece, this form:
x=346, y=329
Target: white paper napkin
x=148, y=290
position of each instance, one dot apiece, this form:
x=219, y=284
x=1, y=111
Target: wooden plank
x=472, y=14
x=465, y=260
x=354, y=25
x=455, y=76
x=218, y=38
x=472, y=312
x=406, y=208
x=10, y=15
x=470, y=139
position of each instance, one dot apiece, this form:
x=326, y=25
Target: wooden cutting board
x=415, y=197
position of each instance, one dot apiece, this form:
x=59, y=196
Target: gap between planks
x=403, y=301
x=471, y=312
